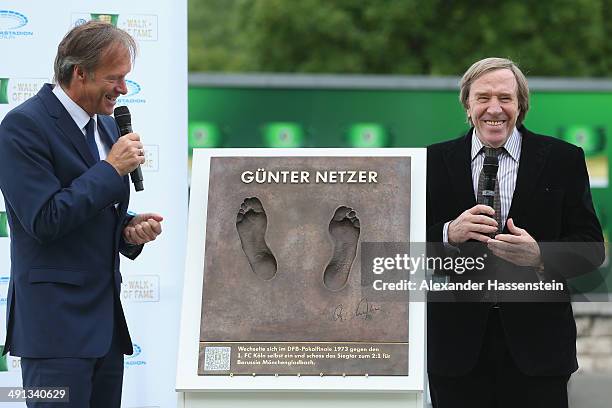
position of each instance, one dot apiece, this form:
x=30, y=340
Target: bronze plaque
x=282, y=266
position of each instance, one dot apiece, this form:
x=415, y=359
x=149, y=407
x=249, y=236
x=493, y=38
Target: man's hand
x=127, y=153
x=143, y=228
x=518, y=247
x=472, y=224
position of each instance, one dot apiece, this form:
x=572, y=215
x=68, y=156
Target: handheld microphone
x=489, y=174
x=124, y=122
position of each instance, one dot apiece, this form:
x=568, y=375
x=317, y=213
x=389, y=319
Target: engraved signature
x=338, y=313
x=364, y=310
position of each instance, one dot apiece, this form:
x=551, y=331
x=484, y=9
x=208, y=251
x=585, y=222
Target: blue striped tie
x=91, y=139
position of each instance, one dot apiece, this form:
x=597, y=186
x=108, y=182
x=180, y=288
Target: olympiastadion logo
x=133, y=88
x=12, y=20
x=134, y=360
x=131, y=98
x=11, y=24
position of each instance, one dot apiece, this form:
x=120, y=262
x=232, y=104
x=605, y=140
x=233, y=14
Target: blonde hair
x=486, y=65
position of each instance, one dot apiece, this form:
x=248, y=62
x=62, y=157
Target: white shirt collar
x=80, y=117
x=512, y=144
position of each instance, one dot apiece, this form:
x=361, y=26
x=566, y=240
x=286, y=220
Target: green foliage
x=214, y=36
x=428, y=37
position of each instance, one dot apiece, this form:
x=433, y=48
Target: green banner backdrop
x=252, y=116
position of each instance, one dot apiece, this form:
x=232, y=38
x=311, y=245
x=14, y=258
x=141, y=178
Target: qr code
x=217, y=358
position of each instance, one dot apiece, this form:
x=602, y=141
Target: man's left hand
x=143, y=228
x=518, y=247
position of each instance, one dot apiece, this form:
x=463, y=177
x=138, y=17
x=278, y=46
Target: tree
x=434, y=37
x=214, y=37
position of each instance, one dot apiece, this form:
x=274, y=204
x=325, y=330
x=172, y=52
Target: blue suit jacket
x=63, y=298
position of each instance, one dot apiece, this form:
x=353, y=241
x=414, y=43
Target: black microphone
x=489, y=175
x=124, y=122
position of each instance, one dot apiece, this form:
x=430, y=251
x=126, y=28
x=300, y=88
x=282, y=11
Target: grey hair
x=486, y=65
x=85, y=45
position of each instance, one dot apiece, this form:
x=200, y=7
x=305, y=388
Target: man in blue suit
x=63, y=173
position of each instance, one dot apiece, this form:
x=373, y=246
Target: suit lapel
x=533, y=157
x=458, y=162
x=76, y=137
x=66, y=123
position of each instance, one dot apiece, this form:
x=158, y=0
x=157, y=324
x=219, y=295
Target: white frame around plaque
x=187, y=378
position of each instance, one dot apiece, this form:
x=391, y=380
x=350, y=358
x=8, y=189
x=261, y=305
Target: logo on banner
x=3, y=361
x=4, y=282
x=133, y=95
x=136, y=358
x=12, y=25
x=4, y=231
x=143, y=27
x=14, y=91
x=140, y=288
x=133, y=88
x=8, y=362
x=106, y=18
x=151, y=158
x=13, y=362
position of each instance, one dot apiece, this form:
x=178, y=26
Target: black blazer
x=552, y=201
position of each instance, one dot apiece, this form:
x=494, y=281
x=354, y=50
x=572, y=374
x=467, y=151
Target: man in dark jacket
x=503, y=352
